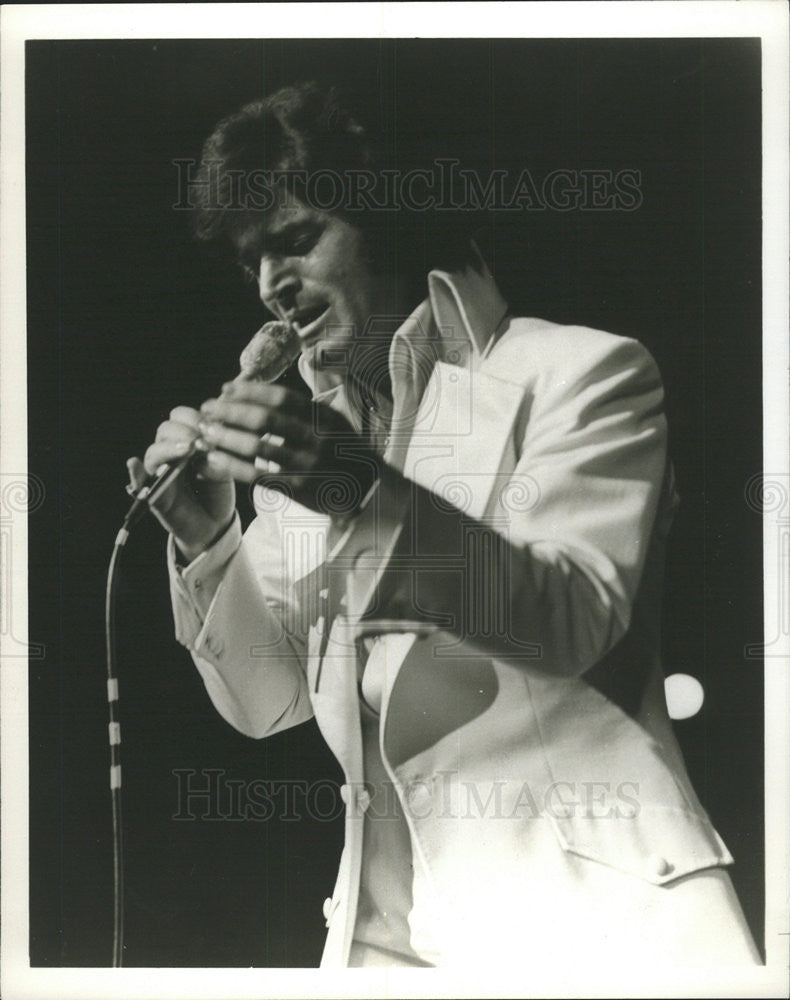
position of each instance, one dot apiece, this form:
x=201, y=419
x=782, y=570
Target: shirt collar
x=468, y=309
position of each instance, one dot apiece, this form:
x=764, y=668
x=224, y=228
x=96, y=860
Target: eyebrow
x=287, y=228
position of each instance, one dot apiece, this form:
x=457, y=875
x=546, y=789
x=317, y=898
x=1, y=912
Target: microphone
x=272, y=350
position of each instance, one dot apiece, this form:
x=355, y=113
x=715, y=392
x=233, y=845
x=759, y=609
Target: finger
x=164, y=451
x=225, y=463
x=260, y=419
x=247, y=416
x=185, y=415
x=203, y=472
x=242, y=443
x=294, y=430
x=275, y=396
x=289, y=459
x=221, y=464
x=137, y=474
x=172, y=430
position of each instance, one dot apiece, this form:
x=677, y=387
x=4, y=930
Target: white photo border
x=765, y=19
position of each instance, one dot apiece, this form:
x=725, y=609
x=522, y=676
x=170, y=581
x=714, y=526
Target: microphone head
x=271, y=351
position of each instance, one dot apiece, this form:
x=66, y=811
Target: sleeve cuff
x=197, y=582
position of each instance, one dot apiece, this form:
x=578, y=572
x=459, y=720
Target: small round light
x=684, y=695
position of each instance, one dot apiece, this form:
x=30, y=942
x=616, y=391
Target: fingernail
x=206, y=429
x=181, y=448
x=208, y=406
x=228, y=387
x=201, y=445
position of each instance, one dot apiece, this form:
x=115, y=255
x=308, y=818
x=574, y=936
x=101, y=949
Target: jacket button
x=363, y=800
x=658, y=866
x=327, y=909
x=345, y=794
x=214, y=645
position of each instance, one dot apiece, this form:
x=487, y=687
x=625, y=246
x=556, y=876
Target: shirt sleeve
x=237, y=613
x=192, y=587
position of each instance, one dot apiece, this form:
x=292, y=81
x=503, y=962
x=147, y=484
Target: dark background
x=128, y=317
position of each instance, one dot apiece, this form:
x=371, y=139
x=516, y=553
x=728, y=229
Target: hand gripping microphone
x=270, y=352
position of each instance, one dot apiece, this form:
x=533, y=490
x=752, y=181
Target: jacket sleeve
x=238, y=614
x=553, y=579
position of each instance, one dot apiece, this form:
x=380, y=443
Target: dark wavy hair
x=297, y=132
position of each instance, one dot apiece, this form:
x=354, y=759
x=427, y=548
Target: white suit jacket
x=548, y=804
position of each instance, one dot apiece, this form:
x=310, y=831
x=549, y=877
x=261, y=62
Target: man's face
x=312, y=270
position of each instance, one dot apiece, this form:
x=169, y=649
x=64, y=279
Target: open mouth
x=308, y=322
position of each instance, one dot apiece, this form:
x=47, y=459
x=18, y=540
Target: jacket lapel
x=451, y=433
x=463, y=447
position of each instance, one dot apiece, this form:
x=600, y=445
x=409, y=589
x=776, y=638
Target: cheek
x=352, y=281
x=347, y=259
x=344, y=269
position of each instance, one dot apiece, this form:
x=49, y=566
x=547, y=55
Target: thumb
x=137, y=474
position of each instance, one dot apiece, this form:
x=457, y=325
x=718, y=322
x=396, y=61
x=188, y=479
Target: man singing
x=456, y=566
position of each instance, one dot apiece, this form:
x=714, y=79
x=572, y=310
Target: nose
x=278, y=283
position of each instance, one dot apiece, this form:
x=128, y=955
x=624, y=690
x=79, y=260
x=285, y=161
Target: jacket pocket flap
x=656, y=844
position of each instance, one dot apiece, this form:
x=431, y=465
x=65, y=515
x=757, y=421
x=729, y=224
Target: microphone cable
x=271, y=351
x=136, y=511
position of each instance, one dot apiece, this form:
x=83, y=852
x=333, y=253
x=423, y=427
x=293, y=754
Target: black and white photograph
x=395, y=500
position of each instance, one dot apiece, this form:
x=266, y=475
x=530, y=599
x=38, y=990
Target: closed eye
x=292, y=241
x=301, y=242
